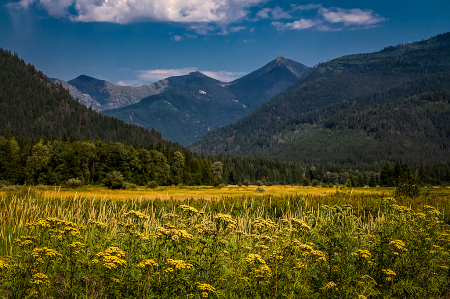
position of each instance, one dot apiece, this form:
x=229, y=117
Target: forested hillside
x=32, y=106
x=278, y=126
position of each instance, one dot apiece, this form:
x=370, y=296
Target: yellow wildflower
x=389, y=274
x=254, y=259
x=180, y=264
x=149, y=263
x=205, y=287
x=331, y=285
x=4, y=266
x=39, y=278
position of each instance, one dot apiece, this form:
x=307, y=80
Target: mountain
x=275, y=128
x=184, y=114
x=82, y=97
x=32, y=106
x=262, y=84
x=415, y=130
x=109, y=95
x=195, y=104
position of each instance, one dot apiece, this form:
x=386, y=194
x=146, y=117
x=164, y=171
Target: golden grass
x=205, y=192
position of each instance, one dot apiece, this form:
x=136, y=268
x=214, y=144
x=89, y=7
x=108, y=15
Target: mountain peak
x=280, y=59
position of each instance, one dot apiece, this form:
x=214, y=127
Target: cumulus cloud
x=160, y=74
x=176, y=38
x=350, y=17
x=218, y=12
x=330, y=19
x=274, y=13
x=134, y=83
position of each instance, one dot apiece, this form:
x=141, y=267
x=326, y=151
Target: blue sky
x=135, y=42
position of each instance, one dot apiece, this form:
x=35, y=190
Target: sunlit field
x=207, y=192
x=232, y=242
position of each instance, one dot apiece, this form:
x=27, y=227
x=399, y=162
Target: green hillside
x=276, y=128
x=32, y=106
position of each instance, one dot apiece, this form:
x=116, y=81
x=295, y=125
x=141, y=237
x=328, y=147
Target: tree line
x=55, y=162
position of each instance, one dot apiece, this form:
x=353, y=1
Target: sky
x=136, y=42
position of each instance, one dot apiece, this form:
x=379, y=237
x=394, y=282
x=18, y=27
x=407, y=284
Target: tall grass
x=341, y=245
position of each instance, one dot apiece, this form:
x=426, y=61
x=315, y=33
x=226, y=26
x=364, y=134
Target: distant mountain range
x=296, y=125
x=184, y=108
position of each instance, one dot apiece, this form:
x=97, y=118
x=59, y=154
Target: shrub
x=269, y=184
x=114, y=180
x=221, y=186
x=41, y=187
x=4, y=183
x=239, y=184
x=258, y=183
x=180, y=186
x=260, y=189
x=315, y=183
x=74, y=183
x=216, y=183
x=131, y=187
x=407, y=185
x=306, y=182
x=8, y=188
x=247, y=182
x=152, y=184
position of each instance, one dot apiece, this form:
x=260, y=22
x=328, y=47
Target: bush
x=306, y=182
x=114, y=180
x=407, y=185
x=258, y=183
x=131, y=187
x=315, y=183
x=180, y=186
x=4, y=183
x=41, y=187
x=8, y=188
x=152, y=184
x=239, y=184
x=260, y=189
x=269, y=184
x=74, y=183
x=247, y=182
x=221, y=186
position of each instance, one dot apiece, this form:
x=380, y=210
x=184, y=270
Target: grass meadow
x=232, y=242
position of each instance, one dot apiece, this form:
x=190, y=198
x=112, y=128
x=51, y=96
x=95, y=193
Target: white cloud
x=276, y=13
x=176, y=38
x=330, y=19
x=350, y=17
x=218, y=12
x=156, y=75
x=299, y=25
x=134, y=83
x=223, y=76
x=160, y=74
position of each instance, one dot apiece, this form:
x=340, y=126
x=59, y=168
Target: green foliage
x=131, y=186
x=372, y=182
x=260, y=189
x=114, y=180
x=152, y=184
x=306, y=182
x=314, y=183
x=74, y=183
x=258, y=183
x=247, y=182
x=217, y=170
x=407, y=184
x=41, y=187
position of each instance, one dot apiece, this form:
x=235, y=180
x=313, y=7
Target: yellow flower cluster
x=205, y=287
x=169, y=216
x=399, y=245
x=389, y=274
x=263, y=271
x=173, y=234
x=331, y=286
x=148, y=263
x=136, y=215
x=308, y=251
x=98, y=224
x=26, y=241
x=252, y=259
x=44, y=251
x=226, y=218
x=39, y=278
x=365, y=254
x=52, y=222
x=300, y=224
x=263, y=224
x=4, y=266
x=179, y=264
x=111, y=257
x=188, y=209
